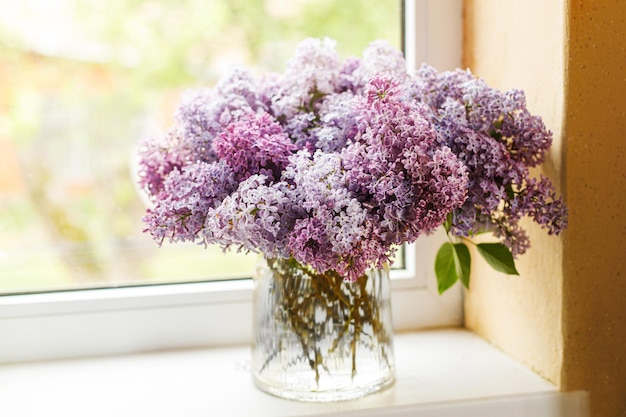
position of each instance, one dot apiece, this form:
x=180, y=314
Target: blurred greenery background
x=81, y=81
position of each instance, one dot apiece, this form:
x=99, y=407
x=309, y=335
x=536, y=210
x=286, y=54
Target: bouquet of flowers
x=335, y=163
x=328, y=167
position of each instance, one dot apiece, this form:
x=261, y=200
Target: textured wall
x=519, y=44
x=566, y=315
x=594, y=286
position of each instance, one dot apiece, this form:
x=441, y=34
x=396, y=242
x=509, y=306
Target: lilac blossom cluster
x=499, y=141
x=334, y=163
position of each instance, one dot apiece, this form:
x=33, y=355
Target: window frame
x=90, y=322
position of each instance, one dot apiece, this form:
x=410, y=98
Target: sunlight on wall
x=520, y=45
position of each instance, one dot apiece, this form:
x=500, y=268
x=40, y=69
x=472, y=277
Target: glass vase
x=319, y=338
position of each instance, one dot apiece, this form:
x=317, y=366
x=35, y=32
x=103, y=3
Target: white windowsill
x=440, y=373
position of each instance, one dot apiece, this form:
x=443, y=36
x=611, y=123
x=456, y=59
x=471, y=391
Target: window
x=85, y=80
x=133, y=318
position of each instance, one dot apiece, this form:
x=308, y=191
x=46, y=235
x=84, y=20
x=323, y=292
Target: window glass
x=84, y=80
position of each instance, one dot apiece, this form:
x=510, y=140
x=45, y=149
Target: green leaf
x=445, y=269
x=498, y=256
x=452, y=262
x=509, y=191
x=495, y=134
x=463, y=263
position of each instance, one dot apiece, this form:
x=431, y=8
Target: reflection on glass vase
x=318, y=338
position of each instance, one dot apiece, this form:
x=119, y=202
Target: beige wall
x=511, y=46
x=594, y=286
x=565, y=316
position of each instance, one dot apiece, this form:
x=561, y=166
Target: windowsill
x=439, y=373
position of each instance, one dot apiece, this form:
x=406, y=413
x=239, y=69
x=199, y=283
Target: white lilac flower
x=312, y=73
x=380, y=58
x=255, y=217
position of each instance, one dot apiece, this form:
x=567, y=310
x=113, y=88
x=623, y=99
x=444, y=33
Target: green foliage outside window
x=83, y=80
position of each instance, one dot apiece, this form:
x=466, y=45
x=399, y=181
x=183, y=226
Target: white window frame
x=94, y=322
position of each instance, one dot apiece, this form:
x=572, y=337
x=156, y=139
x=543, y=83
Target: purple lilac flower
x=397, y=168
x=329, y=126
x=188, y=194
x=498, y=139
x=157, y=158
x=501, y=115
x=348, y=76
x=203, y=114
x=311, y=244
x=255, y=144
x=301, y=128
x=337, y=122
x=548, y=209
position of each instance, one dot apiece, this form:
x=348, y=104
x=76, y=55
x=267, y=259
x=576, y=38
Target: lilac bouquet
x=499, y=141
x=333, y=164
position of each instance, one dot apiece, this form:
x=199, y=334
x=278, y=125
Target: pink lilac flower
x=254, y=144
x=158, y=157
